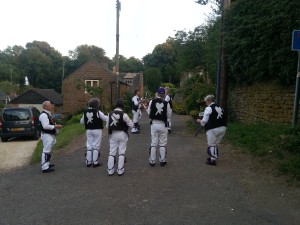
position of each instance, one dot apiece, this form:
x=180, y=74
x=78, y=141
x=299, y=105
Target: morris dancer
x=214, y=122
x=93, y=122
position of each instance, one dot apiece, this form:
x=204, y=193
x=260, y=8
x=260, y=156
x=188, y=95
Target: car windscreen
x=16, y=114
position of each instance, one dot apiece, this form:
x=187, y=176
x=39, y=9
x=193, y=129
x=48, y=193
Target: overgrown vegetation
x=71, y=130
x=277, y=144
x=258, y=41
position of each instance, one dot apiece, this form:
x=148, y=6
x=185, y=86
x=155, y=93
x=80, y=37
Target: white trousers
x=136, y=116
x=170, y=121
x=117, y=141
x=48, y=141
x=159, y=137
x=214, y=137
x=93, y=142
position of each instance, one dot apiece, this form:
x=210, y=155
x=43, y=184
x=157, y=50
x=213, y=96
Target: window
x=91, y=83
x=128, y=81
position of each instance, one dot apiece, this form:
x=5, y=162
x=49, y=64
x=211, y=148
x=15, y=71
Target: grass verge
x=279, y=145
x=66, y=135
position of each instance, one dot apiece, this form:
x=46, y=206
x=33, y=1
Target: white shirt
x=207, y=112
x=168, y=98
x=135, y=100
x=169, y=111
x=126, y=119
x=45, y=121
x=101, y=114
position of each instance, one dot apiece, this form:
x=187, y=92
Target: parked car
x=19, y=122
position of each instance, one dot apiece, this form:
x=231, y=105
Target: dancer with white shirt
x=118, y=125
x=214, y=122
x=93, y=122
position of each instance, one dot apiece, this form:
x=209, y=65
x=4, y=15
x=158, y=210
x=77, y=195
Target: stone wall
x=261, y=103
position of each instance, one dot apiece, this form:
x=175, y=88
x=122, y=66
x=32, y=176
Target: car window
x=16, y=114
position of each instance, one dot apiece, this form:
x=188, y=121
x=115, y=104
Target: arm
x=169, y=112
x=45, y=122
x=207, y=113
x=167, y=98
x=127, y=120
x=149, y=107
x=82, y=120
x=102, y=116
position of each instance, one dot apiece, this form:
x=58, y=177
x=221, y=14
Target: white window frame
x=92, y=84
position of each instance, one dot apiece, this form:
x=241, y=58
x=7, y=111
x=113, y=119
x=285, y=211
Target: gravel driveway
x=15, y=153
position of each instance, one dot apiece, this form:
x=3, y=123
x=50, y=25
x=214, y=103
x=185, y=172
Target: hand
x=58, y=126
x=198, y=121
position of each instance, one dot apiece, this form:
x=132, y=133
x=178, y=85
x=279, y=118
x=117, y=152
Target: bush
x=74, y=119
x=179, y=108
x=194, y=114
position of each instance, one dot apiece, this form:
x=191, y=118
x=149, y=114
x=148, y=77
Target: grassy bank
x=279, y=145
x=66, y=135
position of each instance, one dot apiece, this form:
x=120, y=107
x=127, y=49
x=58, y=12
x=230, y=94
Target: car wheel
x=36, y=135
x=4, y=139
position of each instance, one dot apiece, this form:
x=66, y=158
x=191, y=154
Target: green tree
x=152, y=79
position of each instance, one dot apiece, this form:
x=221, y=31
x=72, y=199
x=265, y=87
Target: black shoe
x=152, y=164
x=111, y=174
x=49, y=170
x=162, y=164
x=96, y=165
x=169, y=131
x=120, y=174
x=211, y=162
x=51, y=165
x=88, y=165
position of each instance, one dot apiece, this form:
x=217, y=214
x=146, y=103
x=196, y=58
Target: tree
x=163, y=57
x=152, y=78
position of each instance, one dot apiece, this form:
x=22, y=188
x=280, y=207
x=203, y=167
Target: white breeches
x=48, y=141
x=136, y=115
x=117, y=141
x=214, y=137
x=159, y=137
x=93, y=142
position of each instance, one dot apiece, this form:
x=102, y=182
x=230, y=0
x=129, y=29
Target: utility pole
x=117, y=49
x=63, y=74
x=223, y=79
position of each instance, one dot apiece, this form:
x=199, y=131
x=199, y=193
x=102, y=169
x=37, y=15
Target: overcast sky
x=65, y=24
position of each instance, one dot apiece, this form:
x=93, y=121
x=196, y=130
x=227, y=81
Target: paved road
x=16, y=153
x=185, y=192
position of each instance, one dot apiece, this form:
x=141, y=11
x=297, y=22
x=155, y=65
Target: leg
x=48, y=142
x=154, y=143
x=212, y=149
x=97, y=138
x=163, y=140
x=113, y=143
x=135, y=120
x=89, y=148
x=122, y=149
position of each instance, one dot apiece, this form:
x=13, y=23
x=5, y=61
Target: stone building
x=134, y=80
x=92, y=79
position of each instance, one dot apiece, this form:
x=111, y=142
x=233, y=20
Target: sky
x=66, y=24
